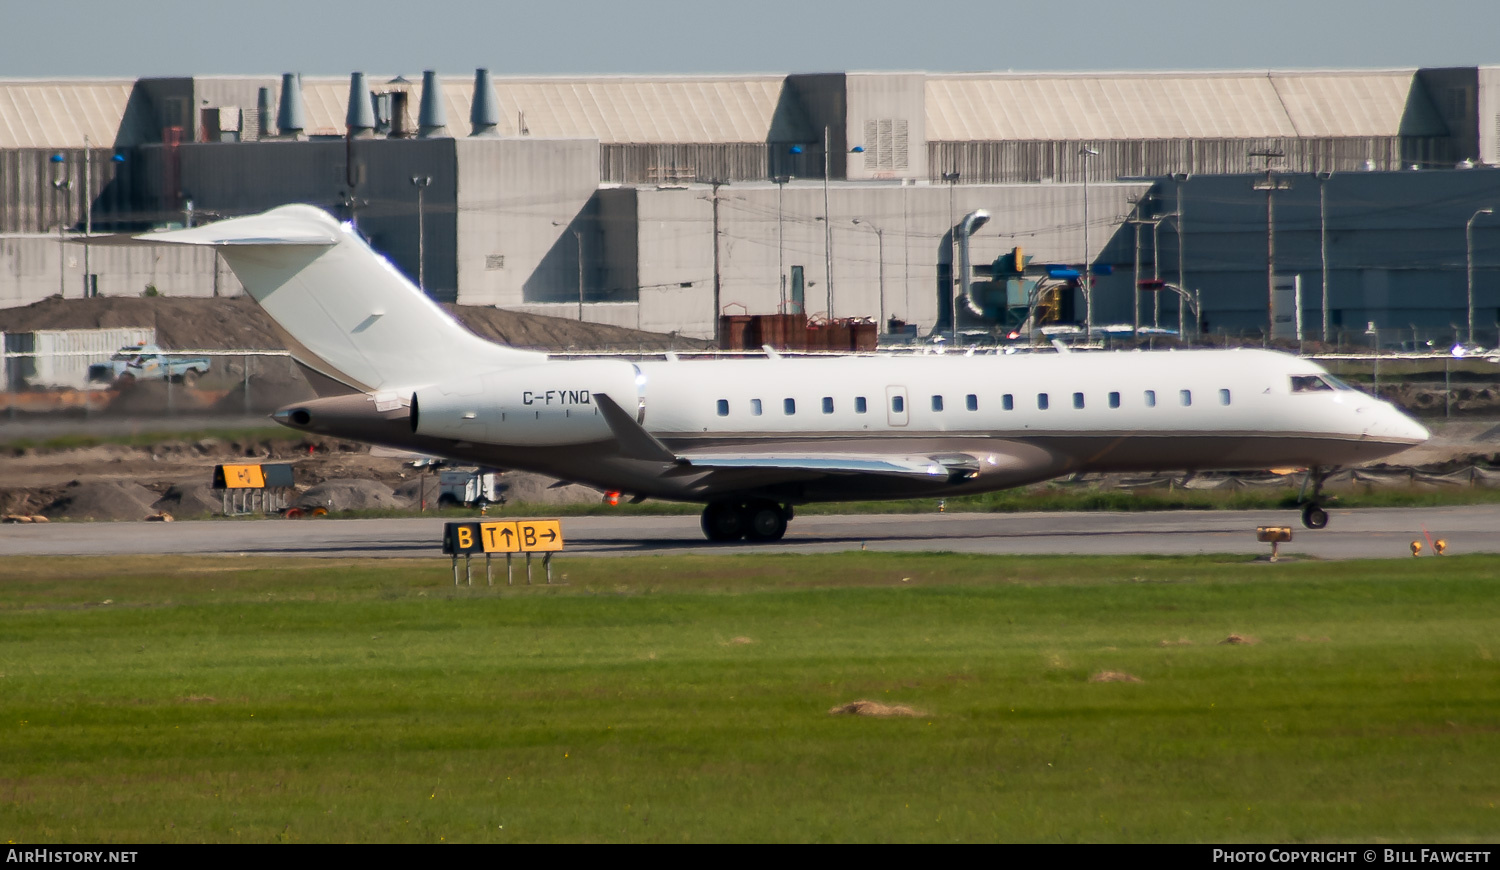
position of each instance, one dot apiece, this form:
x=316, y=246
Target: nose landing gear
x=756, y=520
x=1313, y=514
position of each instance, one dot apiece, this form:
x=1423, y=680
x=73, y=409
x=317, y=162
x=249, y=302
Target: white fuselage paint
x=1242, y=394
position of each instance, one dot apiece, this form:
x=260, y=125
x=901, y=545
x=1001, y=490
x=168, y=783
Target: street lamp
x=1323, y=179
x=61, y=184
x=578, y=238
x=781, y=181
x=421, y=183
x=952, y=179
x=1469, y=259
x=880, y=253
x=1088, y=290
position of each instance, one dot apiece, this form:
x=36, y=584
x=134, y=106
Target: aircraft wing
x=636, y=442
x=950, y=467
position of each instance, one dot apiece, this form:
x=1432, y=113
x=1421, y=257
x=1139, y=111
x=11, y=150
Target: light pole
x=61, y=184
x=880, y=253
x=1469, y=261
x=1088, y=289
x=952, y=179
x=1177, y=179
x=827, y=228
x=421, y=183
x=781, y=181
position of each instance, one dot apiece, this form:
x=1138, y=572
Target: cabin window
x=755, y=407
x=1223, y=397
x=1186, y=396
x=1114, y=400
x=1078, y=401
x=1041, y=401
x=860, y=406
x=788, y=406
x=898, y=404
x=723, y=407
x=971, y=402
x=1151, y=398
x=1309, y=384
x=937, y=403
x=1008, y=402
x=828, y=404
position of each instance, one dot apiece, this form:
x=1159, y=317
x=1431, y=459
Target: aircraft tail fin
x=343, y=310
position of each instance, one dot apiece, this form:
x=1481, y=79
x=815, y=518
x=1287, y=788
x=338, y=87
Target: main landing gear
x=755, y=520
x=1313, y=515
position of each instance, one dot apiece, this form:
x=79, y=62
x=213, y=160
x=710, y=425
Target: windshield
x=1317, y=384
x=124, y=357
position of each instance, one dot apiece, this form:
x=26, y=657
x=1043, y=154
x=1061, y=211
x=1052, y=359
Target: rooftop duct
x=484, y=112
x=291, y=119
x=361, y=116
x=432, y=120
x=968, y=227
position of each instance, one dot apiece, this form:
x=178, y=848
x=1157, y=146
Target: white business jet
x=753, y=438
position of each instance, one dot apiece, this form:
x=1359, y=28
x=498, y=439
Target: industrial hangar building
x=661, y=202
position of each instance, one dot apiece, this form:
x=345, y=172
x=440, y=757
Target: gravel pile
x=103, y=500
x=350, y=494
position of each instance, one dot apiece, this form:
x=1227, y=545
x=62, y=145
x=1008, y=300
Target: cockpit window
x=1310, y=384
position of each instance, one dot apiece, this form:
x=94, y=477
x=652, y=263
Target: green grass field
x=686, y=698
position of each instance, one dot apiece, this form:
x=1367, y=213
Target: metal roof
x=988, y=107
x=665, y=110
x=58, y=114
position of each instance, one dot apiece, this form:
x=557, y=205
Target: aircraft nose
x=1391, y=424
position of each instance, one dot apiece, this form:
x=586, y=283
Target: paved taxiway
x=1368, y=533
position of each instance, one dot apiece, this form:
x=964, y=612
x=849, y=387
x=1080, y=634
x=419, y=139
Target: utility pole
x=1270, y=186
x=1323, y=179
x=880, y=253
x=718, y=303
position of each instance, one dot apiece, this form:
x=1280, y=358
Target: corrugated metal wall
x=737, y=161
x=1060, y=161
x=30, y=203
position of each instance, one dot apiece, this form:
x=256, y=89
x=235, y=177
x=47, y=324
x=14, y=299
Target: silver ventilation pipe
x=968, y=227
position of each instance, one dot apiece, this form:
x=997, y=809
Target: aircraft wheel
x=1313, y=516
x=723, y=521
x=764, y=521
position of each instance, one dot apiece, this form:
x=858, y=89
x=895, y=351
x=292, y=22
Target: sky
x=132, y=38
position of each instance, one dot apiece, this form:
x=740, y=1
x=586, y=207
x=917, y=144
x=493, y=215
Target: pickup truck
x=147, y=362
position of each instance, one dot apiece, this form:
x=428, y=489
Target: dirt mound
x=561, y=334
x=103, y=500
x=238, y=323
x=179, y=323
x=190, y=500
x=536, y=489
x=264, y=392
x=1238, y=639
x=1114, y=677
x=874, y=708
x=350, y=494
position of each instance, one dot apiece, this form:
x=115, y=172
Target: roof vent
x=290, y=117
x=361, y=116
x=484, y=112
x=432, y=119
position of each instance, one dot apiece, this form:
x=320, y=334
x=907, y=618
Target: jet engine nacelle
x=551, y=404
